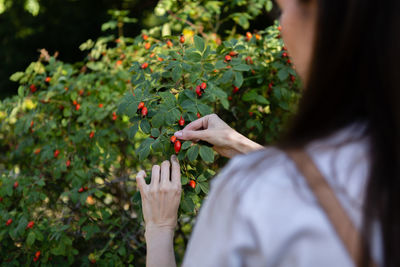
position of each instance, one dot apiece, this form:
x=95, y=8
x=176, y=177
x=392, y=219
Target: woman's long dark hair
x=355, y=77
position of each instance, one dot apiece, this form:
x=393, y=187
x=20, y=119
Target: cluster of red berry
x=142, y=109
x=200, y=89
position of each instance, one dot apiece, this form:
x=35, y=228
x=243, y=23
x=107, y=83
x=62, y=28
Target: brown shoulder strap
x=338, y=217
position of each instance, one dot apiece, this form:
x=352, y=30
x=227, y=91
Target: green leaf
x=199, y=43
x=250, y=96
x=132, y=131
x=145, y=126
x=207, y=154
x=241, y=67
x=283, y=74
x=155, y=132
x=30, y=239
x=17, y=76
x=187, y=204
x=238, y=79
x=158, y=120
x=204, y=187
x=186, y=145
x=194, y=57
x=192, y=153
x=176, y=73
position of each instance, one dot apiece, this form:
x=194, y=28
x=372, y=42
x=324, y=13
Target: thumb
x=141, y=183
x=192, y=135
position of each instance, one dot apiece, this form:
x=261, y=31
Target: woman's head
x=298, y=29
x=347, y=53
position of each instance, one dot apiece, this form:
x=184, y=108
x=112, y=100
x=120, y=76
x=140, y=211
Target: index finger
x=201, y=123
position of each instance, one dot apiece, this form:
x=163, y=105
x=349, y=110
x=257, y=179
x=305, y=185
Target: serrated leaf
x=238, y=79
x=145, y=126
x=132, y=131
x=283, y=74
x=158, y=120
x=30, y=239
x=241, y=67
x=192, y=153
x=194, y=57
x=207, y=154
x=17, y=76
x=155, y=132
x=176, y=73
x=186, y=145
x=199, y=43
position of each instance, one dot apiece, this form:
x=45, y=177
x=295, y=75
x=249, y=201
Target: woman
x=260, y=210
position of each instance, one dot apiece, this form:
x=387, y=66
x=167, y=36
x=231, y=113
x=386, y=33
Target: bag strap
x=326, y=197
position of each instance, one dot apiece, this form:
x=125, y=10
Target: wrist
x=243, y=145
x=155, y=232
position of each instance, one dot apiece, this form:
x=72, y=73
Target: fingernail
x=178, y=134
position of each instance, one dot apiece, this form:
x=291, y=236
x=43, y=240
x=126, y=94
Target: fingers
x=197, y=124
x=141, y=183
x=155, y=176
x=165, y=172
x=193, y=135
x=175, y=171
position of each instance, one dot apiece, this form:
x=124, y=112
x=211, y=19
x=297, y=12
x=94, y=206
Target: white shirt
x=260, y=211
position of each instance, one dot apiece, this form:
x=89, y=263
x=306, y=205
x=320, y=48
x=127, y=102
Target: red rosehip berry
x=56, y=153
x=81, y=190
x=37, y=151
x=292, y=78
x=91, y=135
x=144, y=65
x=145, y=37
x=68, y=163
x=77, y=107
x=182, y=39
x=144, y=111
x=192, y=184
x=248, y=36
x=173, y=139
x=160, y=59
x=203, y=86
x=114, y=116
x=235, y=89
x=86, y=188
x=101, y=105
x=284, y=54
x=233, y=53
x=250, y=113
x=147, y=46
x=33, y=88
x=249, y=60
x=37, y=254
x=230, y=98
x=30, y=225
x=93, y=261
x=288, y=61
x=198, y=91
x=74, y=102
x=169, y=43
x=198, y=115
x=16, y=184
x=279, y=28
x=32, y=124
x=177, y=146
x=228, y=58
x=141, y=105
x=47, y=80
x=9, y=221
x=81, y=92
x=181, y=121
x=1, y=199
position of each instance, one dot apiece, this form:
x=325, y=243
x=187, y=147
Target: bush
x=74, y=137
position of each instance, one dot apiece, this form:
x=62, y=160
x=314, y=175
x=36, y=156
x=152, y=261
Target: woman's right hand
x=225, y=140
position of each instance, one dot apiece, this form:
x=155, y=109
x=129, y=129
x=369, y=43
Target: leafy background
x=73, y=138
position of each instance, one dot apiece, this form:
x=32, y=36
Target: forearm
x=244, y=145
x=160, y=248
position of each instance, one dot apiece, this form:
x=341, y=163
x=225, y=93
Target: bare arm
x=215, y=131
x=160, y=203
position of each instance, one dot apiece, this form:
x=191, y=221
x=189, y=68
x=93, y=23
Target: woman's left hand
x=161, y=198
